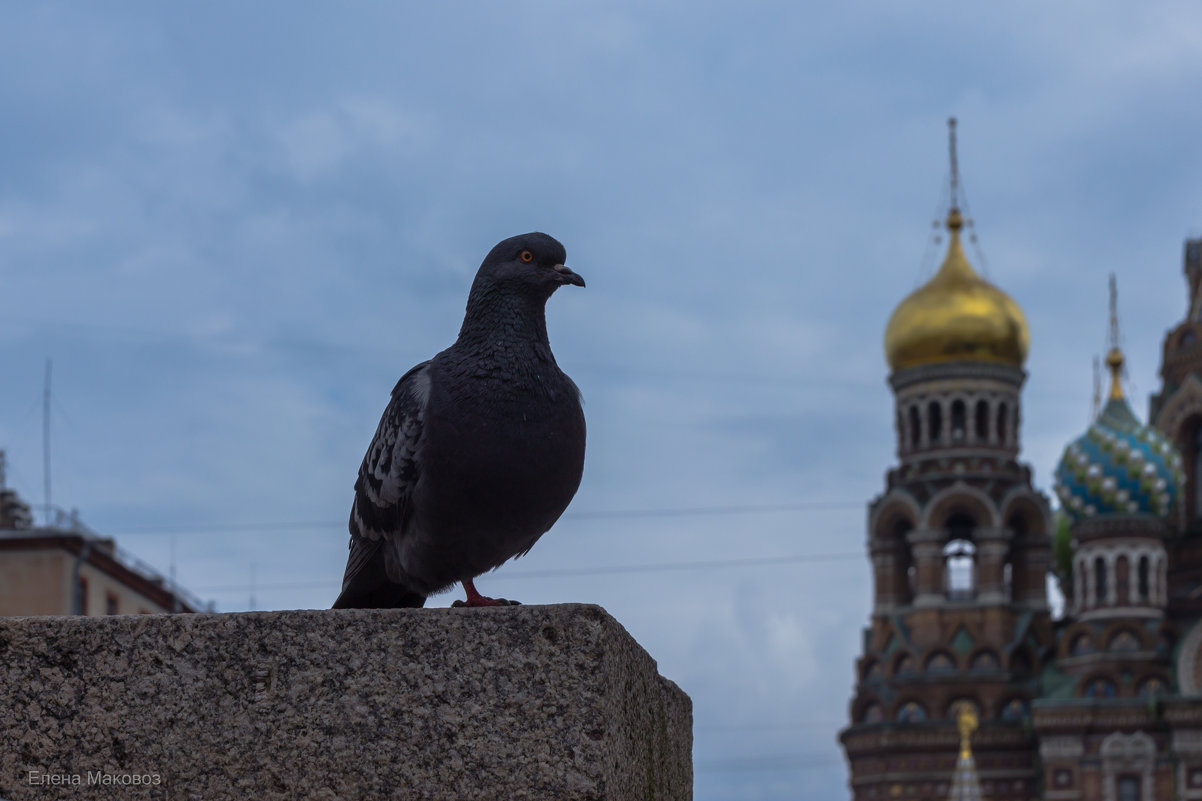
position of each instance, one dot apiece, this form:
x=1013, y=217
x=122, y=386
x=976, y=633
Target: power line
x=683, y=511
x=657, y=567
x=773, y=762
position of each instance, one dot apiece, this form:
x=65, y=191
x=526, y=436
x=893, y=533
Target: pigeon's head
x=530, y=263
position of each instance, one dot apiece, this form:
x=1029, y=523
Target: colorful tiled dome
x=1119, y=466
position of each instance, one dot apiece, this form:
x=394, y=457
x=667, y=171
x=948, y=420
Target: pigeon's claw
x=474, y=598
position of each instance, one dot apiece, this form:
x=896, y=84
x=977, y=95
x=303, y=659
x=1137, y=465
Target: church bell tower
x=960, y=544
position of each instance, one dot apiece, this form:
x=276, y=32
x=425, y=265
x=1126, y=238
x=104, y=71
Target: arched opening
x=935, y=421
x=901, y=581
x=911, y=712
x=1143, y=586
x=960, y=560
x=1003, y=414
x=959, y=421
x=915, y=427
x=982, y=421
x=1099, y=581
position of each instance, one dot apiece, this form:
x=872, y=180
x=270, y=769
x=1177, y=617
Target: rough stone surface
x=522, y=702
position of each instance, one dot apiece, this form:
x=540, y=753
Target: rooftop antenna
x=46, y=443
x=3, y=470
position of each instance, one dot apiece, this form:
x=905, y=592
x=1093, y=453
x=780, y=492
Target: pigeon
x=479, y=450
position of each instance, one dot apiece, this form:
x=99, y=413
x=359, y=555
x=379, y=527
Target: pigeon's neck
x=495, y=316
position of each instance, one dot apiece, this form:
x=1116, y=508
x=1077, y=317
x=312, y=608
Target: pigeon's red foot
x=476, y=599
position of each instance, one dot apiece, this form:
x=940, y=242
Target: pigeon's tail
x=381, y=596
x=367, y=585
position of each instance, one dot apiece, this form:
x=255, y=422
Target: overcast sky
x=233, y=226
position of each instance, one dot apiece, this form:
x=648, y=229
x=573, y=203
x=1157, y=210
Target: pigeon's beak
x=566, y=276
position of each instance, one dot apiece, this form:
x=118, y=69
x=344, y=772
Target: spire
x=966, y=784
x=955, y=221
x=1114, y=358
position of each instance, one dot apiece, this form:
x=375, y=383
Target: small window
x=982, y=421
x=936, y=421
x=1099, y=568
x=81, y=603
x=110, y=604
x=1003, y=413
x=959, y=421
x=1128, y=788
x=1142, y=578
x=915, y=427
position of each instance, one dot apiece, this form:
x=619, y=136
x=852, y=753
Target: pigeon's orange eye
x=526, y=256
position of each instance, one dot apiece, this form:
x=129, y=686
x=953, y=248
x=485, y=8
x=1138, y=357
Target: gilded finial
x=1114, y=358
x=966, y=720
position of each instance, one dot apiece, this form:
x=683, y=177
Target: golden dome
x=956, y=316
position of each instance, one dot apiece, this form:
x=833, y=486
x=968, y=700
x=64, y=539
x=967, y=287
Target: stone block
x=523, y=702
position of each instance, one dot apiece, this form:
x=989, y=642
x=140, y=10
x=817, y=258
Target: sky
x=233, y=226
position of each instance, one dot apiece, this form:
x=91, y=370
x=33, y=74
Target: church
x=967, y=686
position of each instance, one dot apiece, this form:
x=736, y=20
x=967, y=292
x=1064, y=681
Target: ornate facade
x=1102, y=703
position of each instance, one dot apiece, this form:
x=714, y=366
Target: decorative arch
x=910, y=711
x=1189, y=662
x=1180, y=419
x=960, y=497
x=1128, y=754
x=940, y=662
x=1152, y=685
x=1015, y=709
x=904, y=665
x=895, y=504
x=984, y=659
x=1098, y=685
x=870, y=712
x=1077, y=640
x=1031, y=507
x=1124, y=639
x=871, y=670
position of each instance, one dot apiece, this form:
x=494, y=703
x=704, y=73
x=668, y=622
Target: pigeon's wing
x=389, y=470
